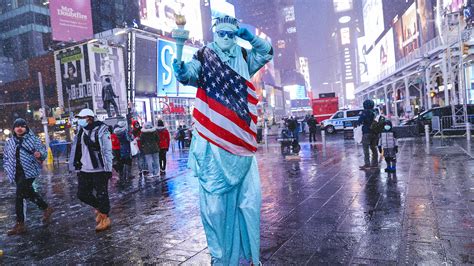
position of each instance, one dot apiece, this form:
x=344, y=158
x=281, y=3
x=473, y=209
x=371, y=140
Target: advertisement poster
x=427, y=23
x=410, y=30
x=73, y=78
x=159, y=14
x=107, y=67
x=71, y=20
x=385, y=52
x=373, y=20
x=167, y=83
x=363, y=64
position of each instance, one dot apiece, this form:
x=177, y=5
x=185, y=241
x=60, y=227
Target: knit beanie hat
x=19, y=122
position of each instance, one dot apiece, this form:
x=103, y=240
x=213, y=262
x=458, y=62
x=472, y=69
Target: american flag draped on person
x=224, y=140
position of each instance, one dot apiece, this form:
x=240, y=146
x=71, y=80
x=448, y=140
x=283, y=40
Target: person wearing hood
x=91, y=158
x=164, y=144
x=137, y=132
x=23, y=154
x=125, y=163
x=388, y=146
x=226, y=165
x=369, y=137
x=149, y=146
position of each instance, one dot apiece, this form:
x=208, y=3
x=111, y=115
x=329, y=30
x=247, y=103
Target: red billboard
x=71, y=20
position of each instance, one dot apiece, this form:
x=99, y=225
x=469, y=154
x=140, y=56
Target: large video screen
x=373, y=20
x=406, y=33
x=159, y=14
x=167, y=83
x=145, y=66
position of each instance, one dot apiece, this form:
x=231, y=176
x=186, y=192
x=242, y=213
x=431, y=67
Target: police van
x=336, y=121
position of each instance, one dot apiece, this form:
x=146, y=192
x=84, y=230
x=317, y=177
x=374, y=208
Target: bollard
x=427, y=134
x=468, y=132
x=50, y=159
x=323, y=137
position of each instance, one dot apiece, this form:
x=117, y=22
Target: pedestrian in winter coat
x=149, y=146
x=180, y=136
x=91, y=157
x=125, y=163
x=369, y=138
x=115, y=149
x=136, y=132
x=22, y=158
x=312, y=125
x=164, y=144
x=388, y=146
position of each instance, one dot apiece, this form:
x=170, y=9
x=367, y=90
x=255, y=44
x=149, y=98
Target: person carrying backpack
x=370, y=138
x=91, y=157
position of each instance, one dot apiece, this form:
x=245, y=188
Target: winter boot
x=104, y=223
x=18, y=229
x=97, y=216
x=47, y=215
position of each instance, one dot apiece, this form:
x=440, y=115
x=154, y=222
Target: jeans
x=162, y=159
x=151, y=161
x=180, y=144
x=25, y=190
x=98, y=182
x=370, y=141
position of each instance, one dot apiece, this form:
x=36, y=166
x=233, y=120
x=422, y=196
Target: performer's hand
x=179, y=67
x=245, y=34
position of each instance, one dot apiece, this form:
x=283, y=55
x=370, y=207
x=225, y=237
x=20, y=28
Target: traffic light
x=432, y=94
x=465, y=48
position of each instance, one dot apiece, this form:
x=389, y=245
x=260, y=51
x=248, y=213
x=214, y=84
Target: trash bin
x=348, y=129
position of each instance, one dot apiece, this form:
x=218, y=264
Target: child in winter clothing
x=164, y=143
x=22, y=156
x=125, y=164
x=149, y=146
x=388, y=144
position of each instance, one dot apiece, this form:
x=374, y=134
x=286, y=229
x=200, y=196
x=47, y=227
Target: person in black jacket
x=369, y=138
x=149, y=146
x=311, y=121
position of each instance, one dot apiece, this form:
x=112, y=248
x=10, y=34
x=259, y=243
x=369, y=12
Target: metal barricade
x=61, y=151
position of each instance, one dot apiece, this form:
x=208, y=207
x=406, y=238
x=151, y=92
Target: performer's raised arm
x=261, y=53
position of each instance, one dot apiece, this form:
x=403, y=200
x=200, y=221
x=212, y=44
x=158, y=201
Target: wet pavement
x=318, y=208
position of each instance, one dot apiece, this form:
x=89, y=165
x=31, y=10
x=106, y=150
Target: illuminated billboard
x=221, y=8
x=167, y=83
x=406, y=33
x=342, y=5
x=159, y=14
x=427, y=25
x=71, y=20
x=373, y=20
x=345, y=36
x=384, y=52
x=363, y=60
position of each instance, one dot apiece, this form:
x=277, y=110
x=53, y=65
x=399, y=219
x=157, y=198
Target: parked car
x=336, y=121
x=425, y=117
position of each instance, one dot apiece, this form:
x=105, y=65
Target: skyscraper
x=107, y=15
x=25, y=29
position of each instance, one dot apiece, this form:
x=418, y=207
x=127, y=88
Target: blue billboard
x=167, y=83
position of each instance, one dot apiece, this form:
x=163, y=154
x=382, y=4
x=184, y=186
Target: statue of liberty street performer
x=222, y=153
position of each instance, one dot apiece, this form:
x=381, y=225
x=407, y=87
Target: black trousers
x=25, y=190
x=312, y=135
x=180, y=143
x=162, y=159
x=107, y=104
x=98, y=183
